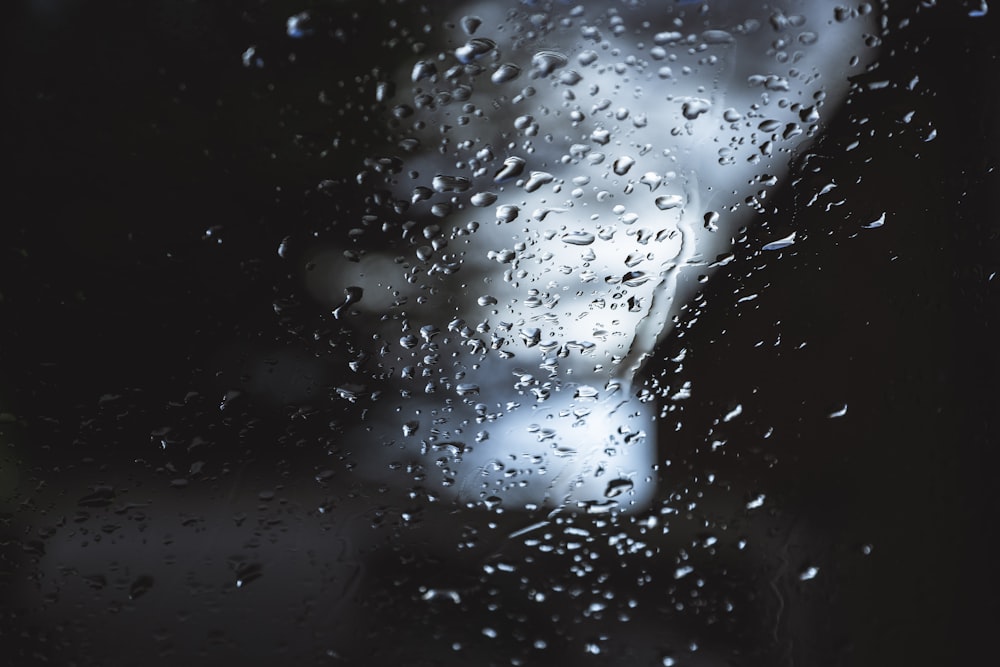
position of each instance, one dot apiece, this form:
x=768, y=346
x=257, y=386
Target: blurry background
x=174, y=476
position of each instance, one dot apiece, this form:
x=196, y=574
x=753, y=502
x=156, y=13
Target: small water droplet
x=481, y=199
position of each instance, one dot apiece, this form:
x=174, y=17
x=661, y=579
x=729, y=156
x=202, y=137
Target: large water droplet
x=695, y=107
x=424, y=69
x=546, y=62
x=512, y=168
x=444, y=183
x=623, y=164
x=537, y=180
x=505, y=73
x=617, y=487
x=474, y=49
x=483, y=199
x=507, y=213
x=667, y=202
x=578, y=238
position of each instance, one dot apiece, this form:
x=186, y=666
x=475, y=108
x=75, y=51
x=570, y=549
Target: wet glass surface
x=507, y=334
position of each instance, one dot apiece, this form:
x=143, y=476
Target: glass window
x=527, y=333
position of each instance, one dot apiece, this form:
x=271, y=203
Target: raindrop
x=283, y=247
x=507, y=213
x=299, y=25
x=410, y=427
x=717, y=37
x=667, y=202
x=781, y=243
x=731, y=115
x=422, y=70
x=587, y=57
x=140, y=586
x=578, y=238
x=487, y=300
x=481, y=199
x=512, y=168
x=617, y=487
x=623, y=164
x=808, y=573
x=470, y=24
x=474, y=49
x=409, y=341
x=601, y=136
x=531, y=336
x=546, y=62
x=695, y=107
x=570, y=78
x=467, y=389
x=537, y=180
x=443, y=183
x=505, y=73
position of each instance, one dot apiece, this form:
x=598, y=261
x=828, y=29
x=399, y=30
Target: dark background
x=151, y=177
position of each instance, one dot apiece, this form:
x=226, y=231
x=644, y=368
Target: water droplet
x=570, y=78
x=140, y=586
x=731, y=115
x=617, y=487
x=600, y=136
x=667, y=202
x=424, y=69
x=578, y=238
x=467, y=389
x=505, y=73
x=717, y=37
x=531, y=336
x=474, y=49
x=808, y=573
x=623, y=164
x=470, y=24
x=409, y=341
x=537, y=180
x=587, y=57
x=512, y=168
x=483, y=199
x=487, y=300
x=695, y=107
x=283, y=247
x=781, y=243
x=546, y=62
x=299, y=25
x=410, y=427
x=443, y=183
x=507, y=213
